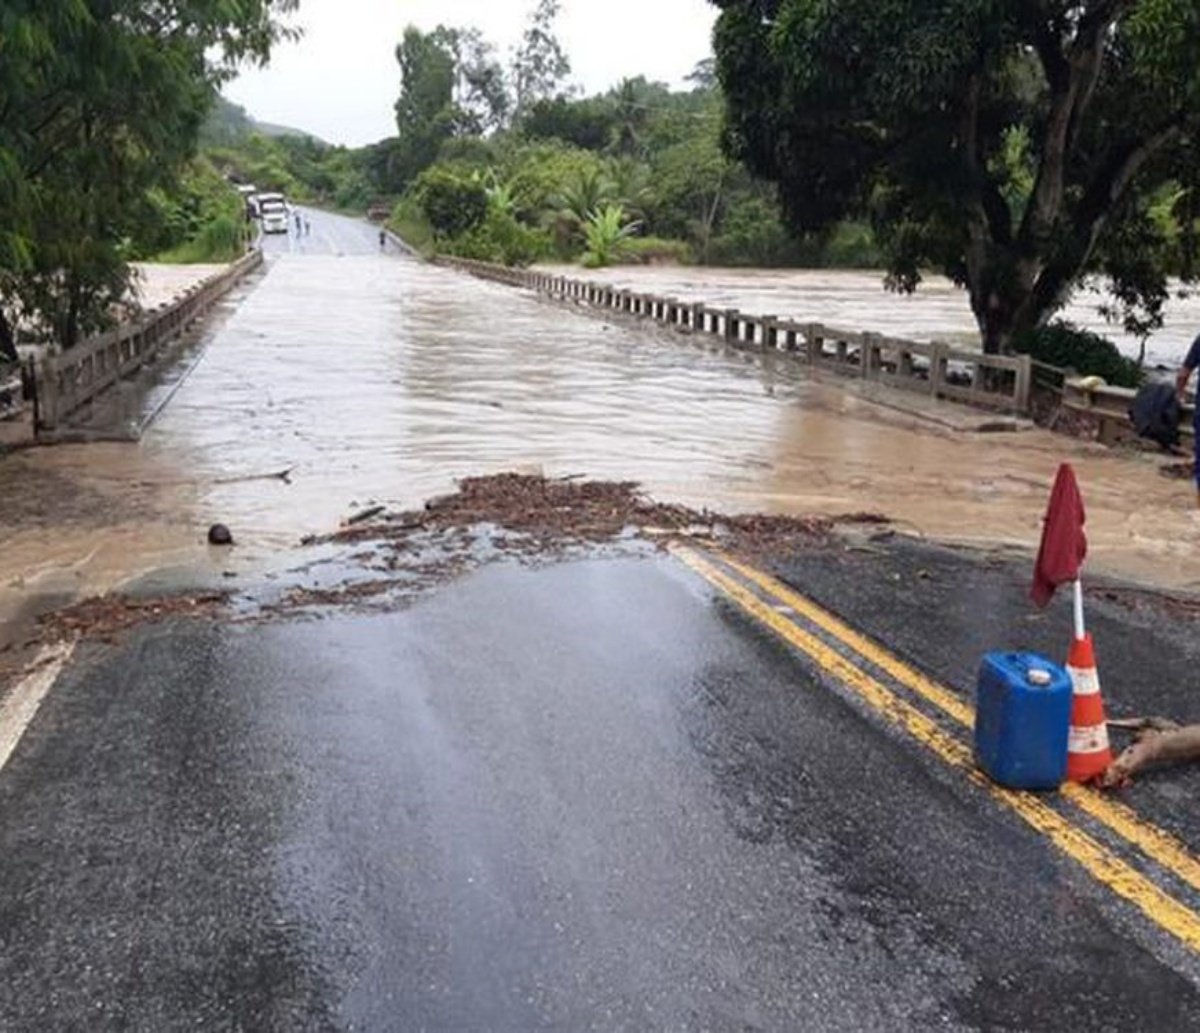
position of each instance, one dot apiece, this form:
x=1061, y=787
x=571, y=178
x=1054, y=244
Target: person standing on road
x=383, y=240
x=1181, y=382
x=297, y=224
x=307, y=226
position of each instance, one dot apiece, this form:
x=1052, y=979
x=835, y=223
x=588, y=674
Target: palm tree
x=582, y=195
x=631, y=187
x=631, y=115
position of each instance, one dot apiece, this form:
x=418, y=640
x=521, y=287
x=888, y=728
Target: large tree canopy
x=1017, y=145
x=101, y=100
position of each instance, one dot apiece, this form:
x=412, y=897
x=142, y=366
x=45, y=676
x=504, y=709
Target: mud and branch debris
x=105, y=616
x=568, y=510
x=520, y=515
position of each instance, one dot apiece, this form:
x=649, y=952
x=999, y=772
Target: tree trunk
x=996, y=309
x=8, y=343
x=1004, y=304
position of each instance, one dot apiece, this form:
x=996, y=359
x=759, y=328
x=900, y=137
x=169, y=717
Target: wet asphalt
x=587, y=796
x=943, y=609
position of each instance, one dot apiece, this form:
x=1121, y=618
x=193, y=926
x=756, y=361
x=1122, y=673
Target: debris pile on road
x=105, y=616
x=347, y=594
x=556, y=510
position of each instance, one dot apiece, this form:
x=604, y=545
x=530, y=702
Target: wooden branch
x=278, y=475
x=1073, y=70
x=1141, y=724
x=1110, y=182
x=1157, y=741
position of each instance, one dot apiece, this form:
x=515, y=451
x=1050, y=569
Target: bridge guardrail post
x=937, y=368
x=1024, y=385
x=731, y=325
x=869, y=357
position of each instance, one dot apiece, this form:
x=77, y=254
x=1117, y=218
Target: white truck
x=273, y=210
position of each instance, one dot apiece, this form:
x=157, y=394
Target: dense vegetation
x=288, y=160
x=504, y=163
x=1066, y=346
x=102, y=106
x=1017, y=147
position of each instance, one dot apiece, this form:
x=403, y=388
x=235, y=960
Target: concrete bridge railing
x=997, y=382
x=1109, y=407
x=68, y=380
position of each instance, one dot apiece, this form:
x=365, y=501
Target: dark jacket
x=1155, y=414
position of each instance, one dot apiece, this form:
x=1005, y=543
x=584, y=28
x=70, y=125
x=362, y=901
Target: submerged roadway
x=633, y=790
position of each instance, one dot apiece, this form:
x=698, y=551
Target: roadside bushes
x=408, y=222
x=1065, y=345
x=202, y=221
x=452, y=204
x=500, y=237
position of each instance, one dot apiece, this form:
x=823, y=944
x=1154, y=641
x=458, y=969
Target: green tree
x=101, y=102
x=587, y=191
x=540, y=65
x=481, y=90
x=1012, y=145
x=631, y=115
x=588, y=124
x=452, y=204
x=426, y=114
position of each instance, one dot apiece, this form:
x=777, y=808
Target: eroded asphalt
x=585, y=794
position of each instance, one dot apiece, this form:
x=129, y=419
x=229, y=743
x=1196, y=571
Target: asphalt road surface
x=596, y=795
x=328, y=234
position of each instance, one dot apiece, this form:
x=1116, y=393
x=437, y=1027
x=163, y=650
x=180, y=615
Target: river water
x=852, y=300
x=373, y=378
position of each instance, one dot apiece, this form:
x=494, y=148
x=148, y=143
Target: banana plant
x=606, y=229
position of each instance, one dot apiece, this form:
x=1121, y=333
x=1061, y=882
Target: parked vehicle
x=273, y=210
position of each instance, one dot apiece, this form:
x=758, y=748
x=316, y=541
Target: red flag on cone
x=1063, y=542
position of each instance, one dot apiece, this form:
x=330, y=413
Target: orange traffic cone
x=1088, y=752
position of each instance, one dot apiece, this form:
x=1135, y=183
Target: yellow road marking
x=1154, y=842
x=1105, y=866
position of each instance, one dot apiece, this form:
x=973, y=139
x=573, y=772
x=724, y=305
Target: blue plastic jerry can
x=1022, y=719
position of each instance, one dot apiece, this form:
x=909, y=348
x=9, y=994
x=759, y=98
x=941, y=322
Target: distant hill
x=229, y=124
x=270, y=129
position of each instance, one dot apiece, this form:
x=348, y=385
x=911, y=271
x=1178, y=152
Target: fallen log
x=1156, y=741
x=365, y=514
x=278, y=475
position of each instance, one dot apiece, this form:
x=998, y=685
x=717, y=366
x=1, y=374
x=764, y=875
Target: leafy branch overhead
x=100, y=105
x=1017, y=146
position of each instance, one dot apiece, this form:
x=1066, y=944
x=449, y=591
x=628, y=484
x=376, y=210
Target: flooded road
x=374, y=378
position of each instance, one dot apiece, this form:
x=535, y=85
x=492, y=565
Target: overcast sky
x=341, y=80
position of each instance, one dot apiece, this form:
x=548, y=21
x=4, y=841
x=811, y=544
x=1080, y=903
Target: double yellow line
x=1104, y=865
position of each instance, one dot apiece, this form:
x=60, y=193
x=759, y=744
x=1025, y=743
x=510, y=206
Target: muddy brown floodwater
x=376, y=379
x=856, y=300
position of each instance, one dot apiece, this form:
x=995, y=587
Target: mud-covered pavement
x=550, y=752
